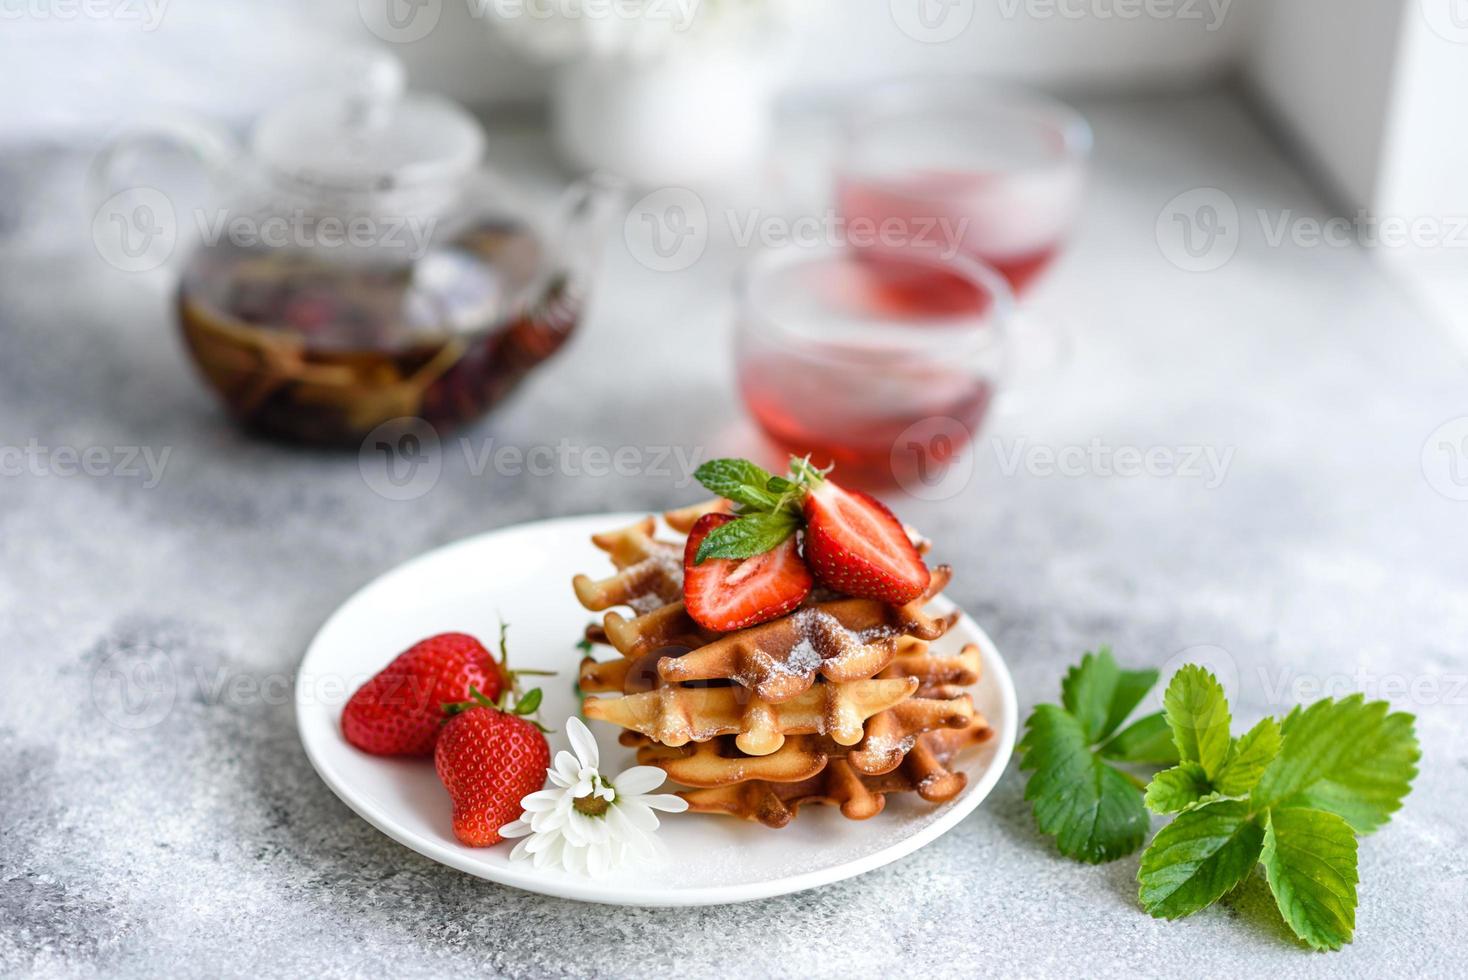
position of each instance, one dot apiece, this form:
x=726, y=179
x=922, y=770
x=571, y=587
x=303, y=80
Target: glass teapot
x=364, y=267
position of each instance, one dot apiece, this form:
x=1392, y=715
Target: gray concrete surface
x=197, y=841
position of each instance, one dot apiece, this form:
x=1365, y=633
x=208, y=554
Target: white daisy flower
x=587, y=823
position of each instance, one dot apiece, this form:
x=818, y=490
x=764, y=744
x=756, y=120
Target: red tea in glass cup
x=884, y=368
x=956, y=164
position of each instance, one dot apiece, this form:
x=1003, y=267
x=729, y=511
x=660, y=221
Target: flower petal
x=637, y=814
x=666, y=802
x=567, y=770
x=583, y=742
x=546, y=799
x=598, y=861
x=639, y=780
x=515, y=828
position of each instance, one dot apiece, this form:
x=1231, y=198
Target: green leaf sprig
x=1081, y=797
x=1291, y=796
x=768, y=507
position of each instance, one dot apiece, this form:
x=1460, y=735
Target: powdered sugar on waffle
x=665, y=568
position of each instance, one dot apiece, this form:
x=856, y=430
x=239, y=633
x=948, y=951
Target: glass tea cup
x=997, y=171
x=883, y=362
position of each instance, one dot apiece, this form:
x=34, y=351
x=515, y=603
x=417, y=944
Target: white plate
x=525, y=573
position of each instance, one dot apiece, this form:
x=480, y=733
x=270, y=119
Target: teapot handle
x=581, y=219
x=122, y=201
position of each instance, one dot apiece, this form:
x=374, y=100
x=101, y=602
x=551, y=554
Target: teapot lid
x=369, y=136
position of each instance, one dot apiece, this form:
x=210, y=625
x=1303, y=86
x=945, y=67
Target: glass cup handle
x=1039, y=350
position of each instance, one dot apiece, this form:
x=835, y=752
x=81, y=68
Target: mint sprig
x=1092, y=807
x=767, y=507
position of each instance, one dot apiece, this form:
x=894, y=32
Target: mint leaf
x=1353, y=758
x=1197, y=712
x=747, y=536
x=1093, y=811
x=1198, y=858
x=1310, y=861
x=1248, y=757
x=1100, y=694
x=1179, y=788
x=738, y=480
x=1147, y=741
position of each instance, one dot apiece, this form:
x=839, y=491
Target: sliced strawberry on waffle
x=856, y=545
x=727, y=594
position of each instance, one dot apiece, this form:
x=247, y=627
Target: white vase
x=675, y=120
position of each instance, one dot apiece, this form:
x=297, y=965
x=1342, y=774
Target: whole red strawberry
x=400, y=711
x=489, y=760
x=855, y=545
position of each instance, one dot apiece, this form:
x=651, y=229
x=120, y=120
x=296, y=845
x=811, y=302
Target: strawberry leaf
x=529, y=702
x=747, y=536
x=1092, y=810
x=1197, y=712
x=1146, y=741
x=1198, y=858
x=1180, y=788
x=1100, y=694
x=1249, y=756
x=1353, y=758
x=1309, y=859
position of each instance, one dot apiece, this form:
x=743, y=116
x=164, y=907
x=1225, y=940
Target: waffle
x=841, y=640
x=674, y=715
x=683, y=519
x=889, y=737
x=649, y=572
x=839, y=702
x=924, y=771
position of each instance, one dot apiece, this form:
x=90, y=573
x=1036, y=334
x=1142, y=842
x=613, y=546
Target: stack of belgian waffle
x=839, y=701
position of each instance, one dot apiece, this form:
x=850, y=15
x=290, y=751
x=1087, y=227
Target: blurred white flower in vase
x=661, y=92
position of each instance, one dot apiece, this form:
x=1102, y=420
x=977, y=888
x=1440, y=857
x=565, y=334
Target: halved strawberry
x=855, y=545
x=727, y=594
